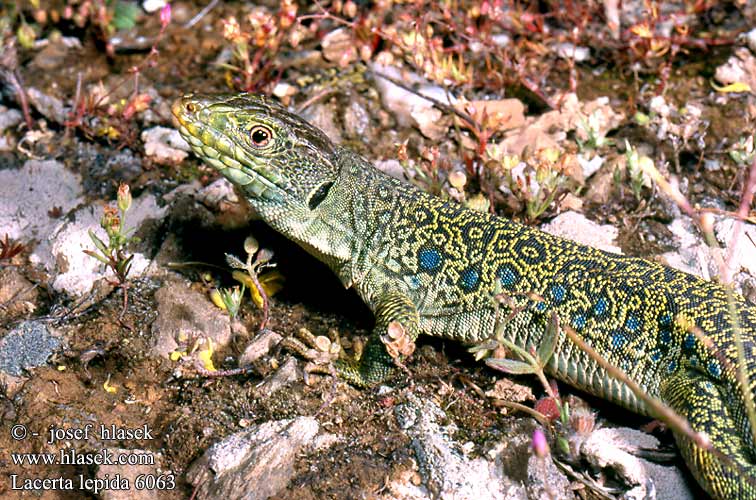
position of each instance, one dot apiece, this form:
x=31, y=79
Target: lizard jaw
x=217, y=150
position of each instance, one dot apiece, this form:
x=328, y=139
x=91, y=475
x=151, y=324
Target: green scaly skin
x=433, y=267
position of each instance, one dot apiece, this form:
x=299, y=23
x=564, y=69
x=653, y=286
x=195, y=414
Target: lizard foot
x=320, y=352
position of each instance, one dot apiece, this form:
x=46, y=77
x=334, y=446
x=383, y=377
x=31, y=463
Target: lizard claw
x=399, y=345
x=319, y=351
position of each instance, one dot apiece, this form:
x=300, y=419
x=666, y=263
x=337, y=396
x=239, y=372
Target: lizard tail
x=729, y=471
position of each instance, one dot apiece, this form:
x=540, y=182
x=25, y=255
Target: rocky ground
x=630, y=130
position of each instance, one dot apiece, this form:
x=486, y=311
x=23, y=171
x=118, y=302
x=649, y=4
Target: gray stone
x=29, y=193
x=48, y=105
x=253, y=464
x=546, y=481
x=612, y=448
x=9, y=118
x=409, y=108
x=743, y=254
x=259, y=347
x=18, y=295
x=356, y=119
x=27, y=346
x=285, y=375
x=165, y=145
x=185, y=314
x=447, y=473
x=323, y=116
x=392, y=168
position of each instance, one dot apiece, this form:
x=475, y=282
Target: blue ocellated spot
x=540, y=306
x=665, y=336
x=578, y=322
x=665, y=319
x=632, y=323
x=618, y=340
x=468, y=279
x=690, y=341
x=507, y=276
x=429, y=258
x=558, y=293
x=693, y=361
x=601, y=306
x=656, y=355
x=714, y=369
x=672, y=366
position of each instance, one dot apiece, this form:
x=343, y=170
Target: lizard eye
x=260, y=135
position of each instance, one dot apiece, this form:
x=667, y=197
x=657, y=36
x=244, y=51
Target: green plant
x=636, y=166
x=229, y=299
x=113, y=221
x=256, y=41
x=743, y=153
x=262, y=260
x=526, y=362
x=114, y=254
x=535, y=179
x=590, y=129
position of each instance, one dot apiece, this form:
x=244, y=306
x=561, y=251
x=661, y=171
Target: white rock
x=744, y=252
x=577, y=227
x=151, y=6
x=9, y=118
x=409, y=108
x=692, y=256
x=165, y=144
x=590, y=166
x=29, y=193
x=567, y=50
x=613, y=448
x=391, y=167
x=750, y=38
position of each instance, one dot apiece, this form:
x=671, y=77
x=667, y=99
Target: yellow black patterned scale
x=433, y=267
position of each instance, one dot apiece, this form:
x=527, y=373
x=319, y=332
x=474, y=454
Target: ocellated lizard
x=433, y=267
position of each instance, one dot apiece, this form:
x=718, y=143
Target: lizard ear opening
x=317, y=197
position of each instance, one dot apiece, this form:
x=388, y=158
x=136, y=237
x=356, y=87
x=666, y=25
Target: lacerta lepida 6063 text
x=433, y=267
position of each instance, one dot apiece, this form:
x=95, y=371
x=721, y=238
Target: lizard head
x=281, y=163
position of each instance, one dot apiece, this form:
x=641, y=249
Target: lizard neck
x=340, y=231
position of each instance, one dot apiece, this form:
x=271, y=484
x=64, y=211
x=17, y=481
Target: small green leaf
x=98, y=243
x=522, y=353
x=125, y=15
x=487, y=345
x=641, y=119
x=123, y=266
x=511, y=366
x=96, y=256
x=546, y=349
x=26, y=36
x=564, y=414
x=563, y=445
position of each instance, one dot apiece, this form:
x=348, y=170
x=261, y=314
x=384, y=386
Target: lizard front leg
x=392, y=340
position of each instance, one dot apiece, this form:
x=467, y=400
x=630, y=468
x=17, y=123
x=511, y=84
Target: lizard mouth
x=196, y=117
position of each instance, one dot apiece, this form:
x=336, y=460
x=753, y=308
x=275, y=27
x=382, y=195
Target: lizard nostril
x=190, y=107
